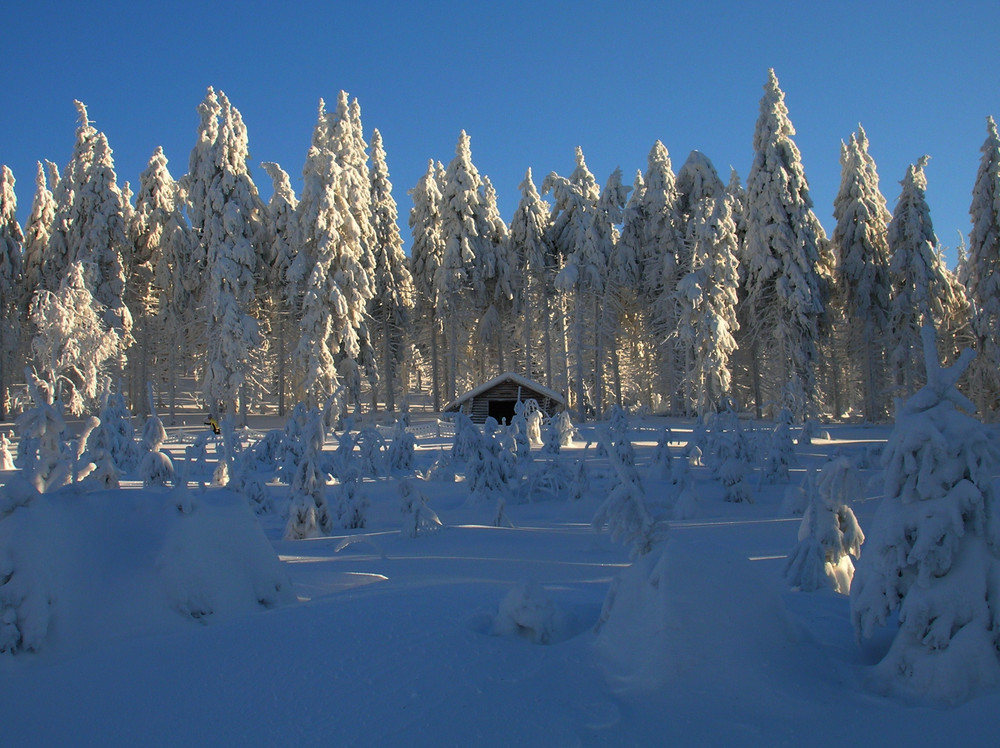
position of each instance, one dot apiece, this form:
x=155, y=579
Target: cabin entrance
x=502, y=409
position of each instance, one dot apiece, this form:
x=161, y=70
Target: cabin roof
x=510, y=376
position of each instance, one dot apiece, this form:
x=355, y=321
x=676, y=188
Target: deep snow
x=435, y=640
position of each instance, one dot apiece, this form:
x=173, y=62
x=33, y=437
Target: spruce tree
x=426, y=252
x=707, y=292
x=533, y=253
x=392, y=304
x=11, y=278
x=464, y=231
x=283, y=233
x=861, y=241
x=226, y=210
x=921, y=289
x=983, y=263
x=785, y=290
x=663, y=264
x=90, y=229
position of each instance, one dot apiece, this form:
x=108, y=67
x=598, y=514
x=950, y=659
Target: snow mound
x=80, y=568
x=528, y=611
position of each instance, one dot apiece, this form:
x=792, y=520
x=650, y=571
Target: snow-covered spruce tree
x=663, y=263
x=779, y=451
x=829, y=534
x=11, y=280
x=534, y=259
x=983, y=264
x=426, y=251
x=40, y=431
x=283, y=230
x=933, y=552
x=331, y=269
x=921, y=288
x=37, y=231
x=155, y=467
x=391, y=306
x=90, y=228
x=493, y=278
x=113, y=438
x=625, y=511
x=785, y=291
x=490, y=470
x=464, y=232
x=706, y=294
x=308, y=513
x=225, y=209
x=399, y=454
x=72, y=349
x=861, y=242
x=168, y=320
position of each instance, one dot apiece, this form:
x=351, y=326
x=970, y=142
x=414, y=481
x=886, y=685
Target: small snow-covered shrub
x=6, y=458
x=350, y=510
x=418, y=518
x=400, y=452
x=527, y=611
x=829, y=534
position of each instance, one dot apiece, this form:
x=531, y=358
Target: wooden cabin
x=497, y=397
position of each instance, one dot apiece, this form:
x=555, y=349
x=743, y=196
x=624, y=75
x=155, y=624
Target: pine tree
x=226, y=210
x=283, y=232
x=861, y=241
x=426, y=252
x=785, y=292
x=983, y=265
x=392, y=304
x=11, y=278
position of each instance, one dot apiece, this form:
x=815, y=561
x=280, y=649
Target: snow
x=470, y=635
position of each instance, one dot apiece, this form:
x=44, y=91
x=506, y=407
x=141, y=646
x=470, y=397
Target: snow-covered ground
x=471, y=635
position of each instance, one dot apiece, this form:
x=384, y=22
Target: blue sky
x=528, y=81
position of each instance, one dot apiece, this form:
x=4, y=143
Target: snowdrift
x=78, y=568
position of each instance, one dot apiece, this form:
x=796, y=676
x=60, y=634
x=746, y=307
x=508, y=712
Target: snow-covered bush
x=490, y=469
x=686, y=503
x=399, y=455
x=529, y=612
x=625, y=511
x=40, y=430
x=663, y=458
x=155, y=468
x=467, y=438
x=534, y=418
x=565, y=429
x=371, y=450
x=6, y=458
x=308, y=514
x=418, y=518
x=829, y=534
x=350, y=510
x=933, y=552
x=780, y=451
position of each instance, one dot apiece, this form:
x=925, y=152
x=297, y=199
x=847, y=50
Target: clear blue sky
x=528, y=81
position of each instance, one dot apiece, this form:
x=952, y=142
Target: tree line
x=682, y=293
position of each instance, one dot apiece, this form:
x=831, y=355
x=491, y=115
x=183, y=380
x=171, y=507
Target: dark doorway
x=502, y=409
